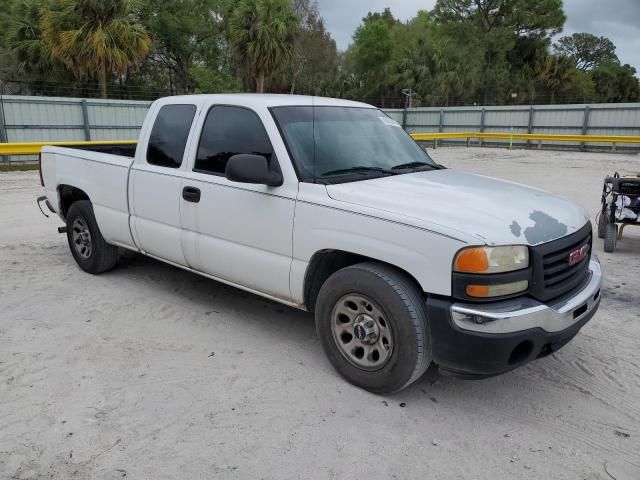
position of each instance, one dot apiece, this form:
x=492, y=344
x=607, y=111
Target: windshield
x=339, y=144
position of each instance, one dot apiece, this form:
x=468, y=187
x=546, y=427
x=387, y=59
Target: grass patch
x=18, y=167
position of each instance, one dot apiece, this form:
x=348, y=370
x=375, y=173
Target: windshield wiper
x=360, y=169
x=405, y=166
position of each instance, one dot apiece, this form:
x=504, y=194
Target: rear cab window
x=169, y=135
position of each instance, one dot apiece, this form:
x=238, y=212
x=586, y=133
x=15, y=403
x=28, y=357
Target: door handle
x=191, y=194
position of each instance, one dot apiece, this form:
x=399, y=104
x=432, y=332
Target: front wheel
x=371, y=320
x=87, y=245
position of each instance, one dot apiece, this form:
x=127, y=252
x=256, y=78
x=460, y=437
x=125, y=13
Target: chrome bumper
x=525, y=313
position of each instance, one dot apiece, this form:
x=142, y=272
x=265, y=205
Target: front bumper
x=485, y=340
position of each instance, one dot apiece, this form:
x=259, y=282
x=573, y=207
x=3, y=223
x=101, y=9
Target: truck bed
x=102, y=176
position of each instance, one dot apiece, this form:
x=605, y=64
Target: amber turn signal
x=489, y=291
x=472, y=260
x=478, y=291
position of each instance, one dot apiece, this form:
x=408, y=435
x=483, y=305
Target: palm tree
x=262, y=33
x=555, y=72
x=26, y=42
x=95, y=37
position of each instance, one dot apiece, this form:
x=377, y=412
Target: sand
x=155, y=373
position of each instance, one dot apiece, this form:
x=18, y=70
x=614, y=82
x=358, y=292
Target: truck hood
x=495, y=212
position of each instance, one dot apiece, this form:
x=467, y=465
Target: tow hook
x=62, y=229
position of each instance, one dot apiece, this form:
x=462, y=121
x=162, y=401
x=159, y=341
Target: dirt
x=115, y=375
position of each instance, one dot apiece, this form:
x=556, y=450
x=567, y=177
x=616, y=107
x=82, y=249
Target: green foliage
x=24, y=37
x=314, y=65
x=18, y=167
x=373, y=46
x=209, y=80
x=94, y=37
x=518, y=17
x=587, y=51
x=555, y=74
x=7, y=14
x=496, y=29
x=385, y=17
x=616, y=83
x=262, y=34
x=188, y=37
x=461, y=52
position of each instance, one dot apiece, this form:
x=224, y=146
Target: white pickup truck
x=330, y=206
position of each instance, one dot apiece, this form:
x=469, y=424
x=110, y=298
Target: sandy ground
x=150, y=372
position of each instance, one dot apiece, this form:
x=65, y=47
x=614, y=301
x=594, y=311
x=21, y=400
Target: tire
x=90, y=252
x=602, y=225
x=611, y=237
x=371, y=302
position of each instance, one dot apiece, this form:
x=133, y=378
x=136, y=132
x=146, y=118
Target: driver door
x=239, y=233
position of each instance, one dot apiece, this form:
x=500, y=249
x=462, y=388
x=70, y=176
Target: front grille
x=553, y=276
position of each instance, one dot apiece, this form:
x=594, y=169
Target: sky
x=618, y=20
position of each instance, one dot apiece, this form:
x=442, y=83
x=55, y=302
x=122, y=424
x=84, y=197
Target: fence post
x=532, y=113
x=441, y=123
x=585, y=124
x=483, y=112
x=404, y=118
x=3, y=130
x=85, y=119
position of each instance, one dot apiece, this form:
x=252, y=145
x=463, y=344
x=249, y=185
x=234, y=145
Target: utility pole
x=3, y=131
x=408, y=98
x=408, y=103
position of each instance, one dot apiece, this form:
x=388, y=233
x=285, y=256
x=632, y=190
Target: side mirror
x=245, y=168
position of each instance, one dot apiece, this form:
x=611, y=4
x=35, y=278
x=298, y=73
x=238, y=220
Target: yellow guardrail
x=33, y=148
x=529, y=137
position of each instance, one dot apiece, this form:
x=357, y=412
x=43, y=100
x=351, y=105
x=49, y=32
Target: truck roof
x=268, y=100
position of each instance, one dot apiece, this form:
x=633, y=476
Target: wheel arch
x=68, y=195
x=325, y=263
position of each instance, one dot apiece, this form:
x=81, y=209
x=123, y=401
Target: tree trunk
x=294, y=80
x=186, y=85
x=102, y=80
x=260, y=82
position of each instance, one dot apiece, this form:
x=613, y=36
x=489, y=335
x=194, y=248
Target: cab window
x=230, y=131
x=169, y=135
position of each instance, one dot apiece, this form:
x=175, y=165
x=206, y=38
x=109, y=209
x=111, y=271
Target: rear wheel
x=372, y=324
x=611, y=237
x=87, y=245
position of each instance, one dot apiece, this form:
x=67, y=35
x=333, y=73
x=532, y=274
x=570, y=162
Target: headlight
x=491, y=259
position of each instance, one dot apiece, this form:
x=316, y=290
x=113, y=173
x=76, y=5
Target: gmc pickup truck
x=331, y=207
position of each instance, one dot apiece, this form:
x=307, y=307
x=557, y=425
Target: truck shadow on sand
x=565, y=372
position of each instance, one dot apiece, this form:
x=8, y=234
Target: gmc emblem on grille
x=579, y=255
